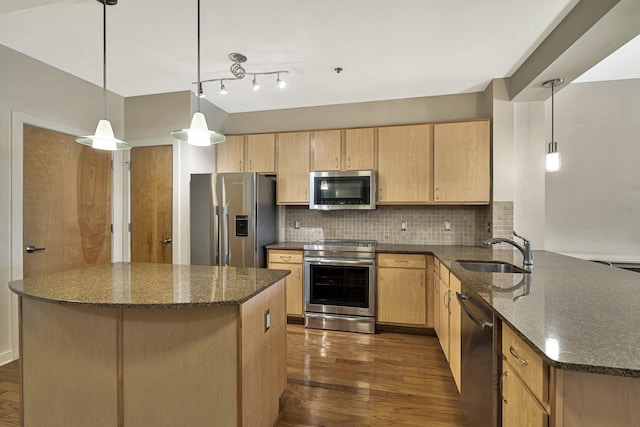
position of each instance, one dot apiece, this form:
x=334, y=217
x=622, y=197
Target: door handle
x=167, y=240
x=31, y=249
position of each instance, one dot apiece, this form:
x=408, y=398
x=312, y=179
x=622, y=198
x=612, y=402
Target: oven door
x=340, y=286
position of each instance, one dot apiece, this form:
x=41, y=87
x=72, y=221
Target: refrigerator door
x=237, y=195
x=204, y=221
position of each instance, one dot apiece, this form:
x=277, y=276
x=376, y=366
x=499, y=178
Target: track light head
x=281, y=83
x=255, y=84
x=223, y=90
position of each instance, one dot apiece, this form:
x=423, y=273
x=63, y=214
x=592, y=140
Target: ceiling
x=387, y=50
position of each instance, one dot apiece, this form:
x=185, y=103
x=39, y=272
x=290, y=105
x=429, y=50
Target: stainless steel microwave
x=342, y=190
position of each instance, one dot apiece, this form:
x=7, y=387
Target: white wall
x=33, y=91
x=593, y=202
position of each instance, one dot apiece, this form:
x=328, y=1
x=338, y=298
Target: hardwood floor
x=387, y=379
x=342, y=379
x=9, y=395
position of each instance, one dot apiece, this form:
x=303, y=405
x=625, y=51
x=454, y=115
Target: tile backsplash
x=425, y=224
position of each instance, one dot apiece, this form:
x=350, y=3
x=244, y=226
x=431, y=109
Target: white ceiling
x=388, y=50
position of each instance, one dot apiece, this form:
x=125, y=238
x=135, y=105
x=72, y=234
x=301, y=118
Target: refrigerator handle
x=216, y=235
x=225, y=230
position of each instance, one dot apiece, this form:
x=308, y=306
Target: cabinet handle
x=436, y=286
x=421, y=279
x=285, y=258
x=250, y=165
x=380, y=192
x=445, y=300
x=336, y=163
x=437, y=195
x=502, y=377
x=240, y=162
x=402, y=261
x=298, y=272
x=349, y=163
x=512, y=350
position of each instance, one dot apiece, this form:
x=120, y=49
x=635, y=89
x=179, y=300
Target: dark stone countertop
x=578, y=315
x=138, y=285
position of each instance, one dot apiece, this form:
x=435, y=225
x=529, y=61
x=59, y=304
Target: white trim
x=18, y=120
x=7, y=357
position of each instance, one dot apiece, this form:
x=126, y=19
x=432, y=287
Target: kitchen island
x=130, y=344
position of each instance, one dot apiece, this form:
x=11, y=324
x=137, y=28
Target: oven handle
x=339, y=261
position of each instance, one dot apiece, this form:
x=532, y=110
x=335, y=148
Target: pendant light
x=103, y=139
x=199, y=134
x=553, y=156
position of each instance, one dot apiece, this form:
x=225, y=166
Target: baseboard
x=6, y=357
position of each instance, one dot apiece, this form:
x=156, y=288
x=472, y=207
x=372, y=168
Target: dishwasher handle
x=482, y=323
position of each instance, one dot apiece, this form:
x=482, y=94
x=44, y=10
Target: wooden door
x=326, y=150
x=359, y=148
x=405, y=164
x=260, y=153
x=402, y=296
x=461, y=165
x=152, y=204
x=293, y=168
x=519, y=408
x=66, y=203
x=230, y=154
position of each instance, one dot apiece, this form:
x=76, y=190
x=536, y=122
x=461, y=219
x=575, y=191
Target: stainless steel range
x=340, y=278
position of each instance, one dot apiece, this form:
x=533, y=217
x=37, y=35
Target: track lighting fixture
x=198, y=133
x=239, y=73
x=553, y=156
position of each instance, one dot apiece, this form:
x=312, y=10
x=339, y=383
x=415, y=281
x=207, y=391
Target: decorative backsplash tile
x=425, y=224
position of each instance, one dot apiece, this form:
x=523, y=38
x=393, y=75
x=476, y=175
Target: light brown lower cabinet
x=402, y=289
x=294, y=282
x=534, y=394
x=447, y=317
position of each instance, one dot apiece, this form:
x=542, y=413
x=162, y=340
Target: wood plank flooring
x=387, y=379
x=342, y=379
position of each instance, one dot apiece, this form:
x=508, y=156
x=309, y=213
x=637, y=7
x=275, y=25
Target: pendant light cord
x=198, y=95
x=104, y=56
x=553, y=85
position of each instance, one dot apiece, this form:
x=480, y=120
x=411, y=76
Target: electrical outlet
x=296, y=224
x=267, y=320
x=403, y=226
x=447, y=226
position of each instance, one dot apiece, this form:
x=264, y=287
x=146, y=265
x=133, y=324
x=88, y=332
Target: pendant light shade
x=198, y=133
x=104, y=139
x=553, y=156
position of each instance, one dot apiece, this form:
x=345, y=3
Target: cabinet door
x=455, y=350
x=293, y=168
x=445, y=297
x=326, y=150
x=402, y=296
x=359, y=149
x=293, y=284
x=519, y=407
x=436, y=303
x=461, y=167
x=230, y=154
x=261, y=153
x=404, y=164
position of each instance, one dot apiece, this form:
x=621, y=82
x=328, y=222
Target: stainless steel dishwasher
x=478, y=362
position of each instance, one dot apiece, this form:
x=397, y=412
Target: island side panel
x=69, y=365
x=180, y=366
x=263, y=357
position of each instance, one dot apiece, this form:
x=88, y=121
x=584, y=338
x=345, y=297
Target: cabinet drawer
x=290, y=257
x=526, y=363
x=402, y=260
x=444, y=273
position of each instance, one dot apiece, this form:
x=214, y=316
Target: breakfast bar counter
x=130, y=344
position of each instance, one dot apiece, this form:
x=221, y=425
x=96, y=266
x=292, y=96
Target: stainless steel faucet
x=524, y=248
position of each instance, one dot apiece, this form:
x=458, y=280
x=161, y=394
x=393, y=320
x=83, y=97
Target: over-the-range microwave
x=342, y=190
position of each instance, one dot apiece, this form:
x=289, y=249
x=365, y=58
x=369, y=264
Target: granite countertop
x=138, y=285
x=578, y=315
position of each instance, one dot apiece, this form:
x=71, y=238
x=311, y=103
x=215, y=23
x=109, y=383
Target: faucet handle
x=524, y=239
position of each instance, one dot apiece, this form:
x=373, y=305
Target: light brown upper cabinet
x=359, y=149
x=293, y=168
x=247, y=153
x=230, y=154
x=326, y=154
x=461, y=166
x=404, y=164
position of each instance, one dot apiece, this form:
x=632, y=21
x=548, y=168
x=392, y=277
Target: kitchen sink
x=490, y=266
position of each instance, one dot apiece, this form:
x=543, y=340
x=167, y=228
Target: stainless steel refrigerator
x=233, y=217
